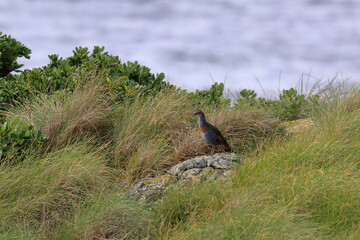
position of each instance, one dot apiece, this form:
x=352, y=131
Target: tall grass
x=146, y=131
x=40, y=194
x=64, y=118
x=150, y=135
x=306, y=188
x=67, y=195
x=108, y=216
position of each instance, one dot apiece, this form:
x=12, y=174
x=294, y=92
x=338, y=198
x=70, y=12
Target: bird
x=210, y=133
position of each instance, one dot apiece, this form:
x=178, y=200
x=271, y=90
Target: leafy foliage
x=212, y=97
x=16, y=138
x=291, y=105
x=247, y=96
x=10, y=50
x=122, y=79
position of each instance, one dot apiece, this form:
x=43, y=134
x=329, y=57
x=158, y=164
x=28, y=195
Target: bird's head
x=198, y=113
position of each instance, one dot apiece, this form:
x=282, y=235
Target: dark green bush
x=122, y=79
x=131, y=78
x=212, y=97
x=10, y=50
x=16, y=138
x=249, y=97
x=290, y=106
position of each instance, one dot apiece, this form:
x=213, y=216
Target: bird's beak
x=195, y=113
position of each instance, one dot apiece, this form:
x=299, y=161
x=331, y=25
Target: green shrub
x=212, y=97
x=16, y=138
x=10, y=50
x=248, y=97
x=291, y=105
x=122, y=79
x=62, y=73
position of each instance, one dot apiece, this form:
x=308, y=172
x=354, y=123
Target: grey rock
x=198, y=162
x=190, y=173
x=221, y=163
x=200, y=168
x=201, y=174
x=227, y=173
x=219, y=160
x=151, y=189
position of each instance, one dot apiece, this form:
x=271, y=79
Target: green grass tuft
x=108, y=216
x=39, y=195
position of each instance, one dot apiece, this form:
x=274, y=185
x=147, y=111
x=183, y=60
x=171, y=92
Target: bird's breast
x=209, y=137
x=203, y=129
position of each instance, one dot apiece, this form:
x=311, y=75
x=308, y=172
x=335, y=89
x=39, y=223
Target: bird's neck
x=202, y=121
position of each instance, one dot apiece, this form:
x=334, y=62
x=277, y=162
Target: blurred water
x=196, y=42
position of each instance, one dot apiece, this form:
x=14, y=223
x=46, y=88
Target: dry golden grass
x=152, y=135
x=145, y=132
x=64, y=118
x=110, y=215
x=243, y=131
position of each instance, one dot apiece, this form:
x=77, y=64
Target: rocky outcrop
x=204, y=167
x=199, y=168
x=151, y=189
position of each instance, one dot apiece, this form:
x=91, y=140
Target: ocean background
x=269, y=44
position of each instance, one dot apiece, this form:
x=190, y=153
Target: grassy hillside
x=76, y=134
x=304, y=188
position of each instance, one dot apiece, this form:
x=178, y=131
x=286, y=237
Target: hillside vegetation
x=77, y=133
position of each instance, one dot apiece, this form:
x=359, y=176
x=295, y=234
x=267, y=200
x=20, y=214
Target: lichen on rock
x=209, y=167
x=217, y=161
x=151, y=189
